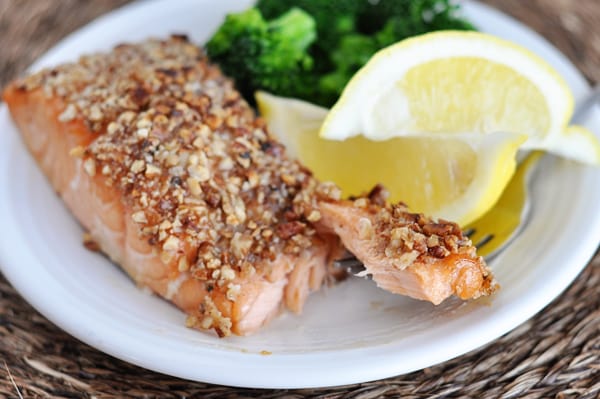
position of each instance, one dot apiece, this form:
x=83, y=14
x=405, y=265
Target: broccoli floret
x=351, y=54
x=269, y=55
x=410, y=17
x=334, y=18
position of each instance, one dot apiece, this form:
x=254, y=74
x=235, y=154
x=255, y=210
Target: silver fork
x=515, y=201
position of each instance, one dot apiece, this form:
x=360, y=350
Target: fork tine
x=351, y=265
x=469, y=232
x=486, y=239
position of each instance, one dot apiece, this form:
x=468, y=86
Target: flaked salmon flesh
x=175, y=178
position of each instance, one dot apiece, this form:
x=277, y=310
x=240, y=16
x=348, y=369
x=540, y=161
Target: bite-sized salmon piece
x=175, y=178
x=408, y=253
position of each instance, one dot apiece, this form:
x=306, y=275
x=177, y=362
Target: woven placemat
x=554, y=355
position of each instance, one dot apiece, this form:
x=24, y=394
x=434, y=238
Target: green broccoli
x=270, y=55
x=410, y=17
x=309, y=49
x=334, y=18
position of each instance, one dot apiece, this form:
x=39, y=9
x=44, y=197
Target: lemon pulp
x=496, y=98
x=425, y=172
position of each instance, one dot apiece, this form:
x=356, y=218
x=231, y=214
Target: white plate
x=349, y=333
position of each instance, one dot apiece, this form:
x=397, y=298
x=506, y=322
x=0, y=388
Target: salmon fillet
x=175, y=179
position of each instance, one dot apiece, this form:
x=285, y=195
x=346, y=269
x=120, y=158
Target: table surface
x=555, y=354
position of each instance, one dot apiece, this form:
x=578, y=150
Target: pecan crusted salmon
x=175, y=178
x=408, y=253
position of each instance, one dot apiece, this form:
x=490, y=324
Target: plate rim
x=276, y=360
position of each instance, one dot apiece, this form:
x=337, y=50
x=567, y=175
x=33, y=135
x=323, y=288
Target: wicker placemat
x=556, y=354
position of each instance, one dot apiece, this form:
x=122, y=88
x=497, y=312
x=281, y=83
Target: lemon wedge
x=460, y=82
x=453, y=177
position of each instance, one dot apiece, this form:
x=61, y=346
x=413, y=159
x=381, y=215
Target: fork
x=496, y=229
